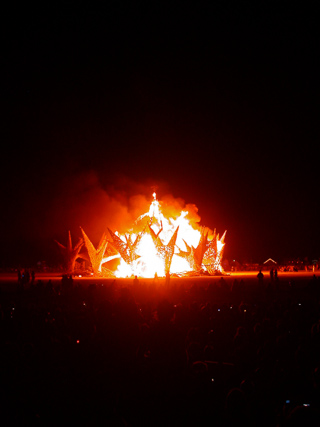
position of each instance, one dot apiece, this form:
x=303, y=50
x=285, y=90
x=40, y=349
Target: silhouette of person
x=260, y=276
x=155, y=279
x=271, y=274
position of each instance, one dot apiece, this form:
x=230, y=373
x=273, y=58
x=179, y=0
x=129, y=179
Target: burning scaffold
x=156, y=245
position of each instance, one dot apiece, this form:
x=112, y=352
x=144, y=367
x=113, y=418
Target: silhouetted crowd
x=160, y=354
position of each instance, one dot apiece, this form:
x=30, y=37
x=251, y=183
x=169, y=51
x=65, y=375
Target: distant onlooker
x=271, y=274
x=260, y=277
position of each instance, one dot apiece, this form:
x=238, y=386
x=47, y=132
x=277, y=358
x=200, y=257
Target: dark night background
x=217, y=104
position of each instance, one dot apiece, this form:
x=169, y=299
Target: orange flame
x=150, y=262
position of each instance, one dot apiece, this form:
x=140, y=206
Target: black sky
x=215, y=103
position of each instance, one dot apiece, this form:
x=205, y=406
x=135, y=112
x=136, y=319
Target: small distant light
x=13, y=308
x=218, y=309
x=244, y=311
x=287, y=401
x=212, y=380
x=306, y=404
x=231, y=308
x=299, y=303
x=80, y=275
x=78, y=341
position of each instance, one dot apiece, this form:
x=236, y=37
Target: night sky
x=216, y=104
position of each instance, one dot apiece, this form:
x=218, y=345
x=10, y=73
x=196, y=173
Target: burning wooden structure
x=161, y=247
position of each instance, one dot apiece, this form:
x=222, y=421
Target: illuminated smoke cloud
x=134, y=219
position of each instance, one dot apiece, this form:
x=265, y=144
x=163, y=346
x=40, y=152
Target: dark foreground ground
x=194, y=351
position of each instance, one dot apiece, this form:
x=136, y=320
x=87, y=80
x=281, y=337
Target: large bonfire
x=155, y=245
